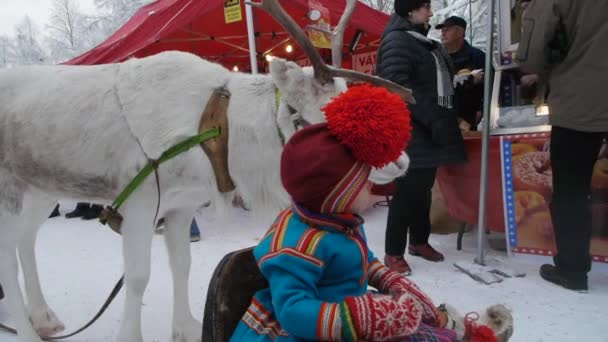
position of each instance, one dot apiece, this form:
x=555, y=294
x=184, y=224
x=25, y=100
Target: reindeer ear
x=285, y=73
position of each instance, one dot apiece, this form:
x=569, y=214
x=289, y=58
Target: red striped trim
x=292, y=252
x=329, y=325
x=343, y=194
x=310, y=240
x=362, y=245
x=281, y=227
x=258, y=318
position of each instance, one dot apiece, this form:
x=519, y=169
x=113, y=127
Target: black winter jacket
x=436, y=138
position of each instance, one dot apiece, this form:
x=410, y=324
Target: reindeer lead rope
x=110, y=214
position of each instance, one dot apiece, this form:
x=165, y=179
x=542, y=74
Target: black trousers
x=410, y=210
x=573, y=155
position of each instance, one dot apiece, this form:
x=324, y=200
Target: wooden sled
x=234, y=282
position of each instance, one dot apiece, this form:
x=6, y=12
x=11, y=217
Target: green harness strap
x=153, y=164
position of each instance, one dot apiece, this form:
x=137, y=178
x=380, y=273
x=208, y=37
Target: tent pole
x=483, y=184
x=471, y=22
x=251, y=38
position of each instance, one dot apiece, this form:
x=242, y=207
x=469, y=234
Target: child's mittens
x=395, y=284
x=379, y=317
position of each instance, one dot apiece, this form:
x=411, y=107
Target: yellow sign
x=232, y=11
x=320, y=39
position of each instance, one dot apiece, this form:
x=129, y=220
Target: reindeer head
x=306, y=90
x=301, y=92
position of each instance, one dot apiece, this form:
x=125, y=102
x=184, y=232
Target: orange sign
x=321, y=20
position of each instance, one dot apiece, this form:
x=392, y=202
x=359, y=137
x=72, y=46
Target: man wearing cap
x=466, y=58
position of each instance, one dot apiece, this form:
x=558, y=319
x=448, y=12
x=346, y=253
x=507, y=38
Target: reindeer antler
x=274, y=9
x=323, y=72
x=337, y=38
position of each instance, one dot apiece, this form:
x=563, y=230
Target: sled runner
x=234, y=282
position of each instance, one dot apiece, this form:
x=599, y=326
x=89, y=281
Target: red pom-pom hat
x=325, y=166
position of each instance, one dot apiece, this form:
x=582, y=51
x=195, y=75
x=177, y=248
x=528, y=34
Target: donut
x=536, y=231
x=532, y=171
x=527, y=202
x=521, y=148
x=599, y=179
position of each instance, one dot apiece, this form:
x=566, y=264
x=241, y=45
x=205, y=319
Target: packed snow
x=80, y=261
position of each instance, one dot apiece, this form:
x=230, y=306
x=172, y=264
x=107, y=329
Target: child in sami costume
x=315, y=255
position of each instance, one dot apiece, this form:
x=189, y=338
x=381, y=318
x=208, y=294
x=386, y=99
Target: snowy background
x=80, y=261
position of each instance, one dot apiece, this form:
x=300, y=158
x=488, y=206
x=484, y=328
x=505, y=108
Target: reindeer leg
x=137, y=233
x=185, y=327
x=10, y=230
x=43, y=319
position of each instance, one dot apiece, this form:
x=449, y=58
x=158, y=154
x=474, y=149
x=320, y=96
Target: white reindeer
x=84, y=132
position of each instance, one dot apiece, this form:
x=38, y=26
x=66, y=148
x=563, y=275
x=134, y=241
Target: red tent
x=199, y=26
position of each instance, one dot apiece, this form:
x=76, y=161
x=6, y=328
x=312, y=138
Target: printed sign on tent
x=232, y=11
x=527, y=180
x=365, y=62
x=321, y=20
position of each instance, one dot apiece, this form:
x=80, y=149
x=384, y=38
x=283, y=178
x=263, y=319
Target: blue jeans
x=194, y=228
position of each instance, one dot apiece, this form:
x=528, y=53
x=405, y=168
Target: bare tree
x=65, y=30
x=26, y=47
x=385, y=6
x=5, y=51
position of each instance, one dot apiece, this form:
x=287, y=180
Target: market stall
x=511, y=158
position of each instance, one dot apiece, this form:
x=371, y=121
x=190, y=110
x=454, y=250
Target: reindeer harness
x=213, y=139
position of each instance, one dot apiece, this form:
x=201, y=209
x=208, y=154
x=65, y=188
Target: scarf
x=445, y=89
x=342, y=222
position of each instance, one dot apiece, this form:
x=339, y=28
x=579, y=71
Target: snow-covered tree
x=473, y=11
x=385, y=6
x=114, y=13
x=26, y=46
x=6, y=51
x=66, y=30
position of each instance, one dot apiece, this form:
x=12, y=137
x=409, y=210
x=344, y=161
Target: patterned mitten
x=377, y=317
x=395, y=284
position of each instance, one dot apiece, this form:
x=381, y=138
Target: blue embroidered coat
x=312, y=263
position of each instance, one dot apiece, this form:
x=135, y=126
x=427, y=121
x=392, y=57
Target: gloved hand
x=391, y=171
x=395, y=284
x=378, y=317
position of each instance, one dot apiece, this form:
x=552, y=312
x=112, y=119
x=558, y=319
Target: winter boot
x=552, y=274
x=425, y=251
x=92, y=212
x=81, y=208
x=398, y=264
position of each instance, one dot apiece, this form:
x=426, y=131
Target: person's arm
x=294, y=277
x=392, y=283
x=540, y=24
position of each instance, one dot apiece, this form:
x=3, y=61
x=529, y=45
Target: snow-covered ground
x=80, y=261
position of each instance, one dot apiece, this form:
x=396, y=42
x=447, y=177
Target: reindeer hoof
x=45, y=322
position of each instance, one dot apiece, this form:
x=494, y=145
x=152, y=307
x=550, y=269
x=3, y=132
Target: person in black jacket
x=466, y=58
x=406, y=56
